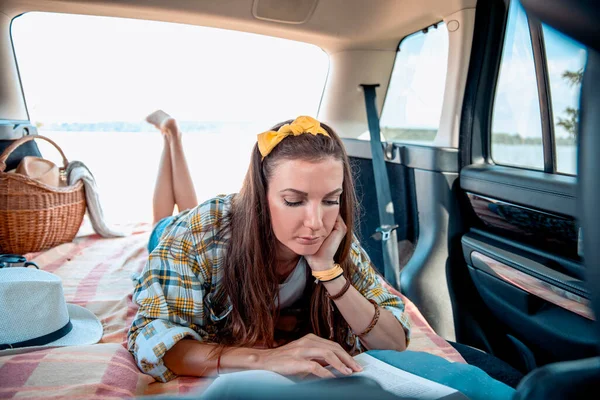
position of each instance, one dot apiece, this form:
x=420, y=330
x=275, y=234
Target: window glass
x=413, y=104
x=565, y=59
x=90, y=81
x=516, y=119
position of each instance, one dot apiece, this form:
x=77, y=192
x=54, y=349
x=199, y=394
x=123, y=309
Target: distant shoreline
x=498, y=138
x=393, y=134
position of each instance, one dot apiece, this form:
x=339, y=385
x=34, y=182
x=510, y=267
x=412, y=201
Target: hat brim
x=87, y=329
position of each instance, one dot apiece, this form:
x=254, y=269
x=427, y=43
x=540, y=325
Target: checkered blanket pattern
x=96, y=274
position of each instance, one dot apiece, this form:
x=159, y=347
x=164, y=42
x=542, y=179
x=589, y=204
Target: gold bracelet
x=329, y=280
x=329, y=274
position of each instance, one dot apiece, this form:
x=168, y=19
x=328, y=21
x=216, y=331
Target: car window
x=90, y=81
x=413, y=104
x=516, y=118
x=517, y=129
x=565, y=59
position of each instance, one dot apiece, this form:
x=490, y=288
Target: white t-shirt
x=293, y=287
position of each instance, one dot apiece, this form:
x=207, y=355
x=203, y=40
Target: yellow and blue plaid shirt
x=180, y=291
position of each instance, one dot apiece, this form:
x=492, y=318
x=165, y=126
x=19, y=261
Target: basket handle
x=26, y=139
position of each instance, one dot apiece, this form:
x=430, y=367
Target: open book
x=391, y=379
x=402, y=383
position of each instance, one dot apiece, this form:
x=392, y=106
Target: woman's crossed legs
x=174, y=186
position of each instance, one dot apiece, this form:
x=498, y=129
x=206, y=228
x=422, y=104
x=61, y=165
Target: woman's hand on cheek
x=323, y=259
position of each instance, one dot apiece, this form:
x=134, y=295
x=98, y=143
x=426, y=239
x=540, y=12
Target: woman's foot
x=164, y=122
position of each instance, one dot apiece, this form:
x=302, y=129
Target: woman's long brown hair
x=250, y=278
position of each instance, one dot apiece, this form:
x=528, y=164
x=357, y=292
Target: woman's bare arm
x=192, y=358
x=301, y=357
x=358, y=312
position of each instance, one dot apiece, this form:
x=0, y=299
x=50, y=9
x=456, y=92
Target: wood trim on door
x=537, y=287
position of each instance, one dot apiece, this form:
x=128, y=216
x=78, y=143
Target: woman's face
x=304, y=202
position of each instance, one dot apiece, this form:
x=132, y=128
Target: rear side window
x=516, y=121
x=566, y=60
x=413, y=104
x=90, y=81
x=536, y=106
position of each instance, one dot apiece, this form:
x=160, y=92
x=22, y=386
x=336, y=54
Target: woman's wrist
x=333, y=287
x=262, y=358
x=321, y=265
x=242, y=358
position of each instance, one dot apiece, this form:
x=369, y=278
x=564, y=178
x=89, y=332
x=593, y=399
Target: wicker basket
x=33, y=215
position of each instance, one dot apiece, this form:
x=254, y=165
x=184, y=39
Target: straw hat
x=35, y=314
x=42, y=170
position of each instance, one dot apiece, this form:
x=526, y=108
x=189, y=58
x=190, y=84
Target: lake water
x=125, y=164
x=533, y=156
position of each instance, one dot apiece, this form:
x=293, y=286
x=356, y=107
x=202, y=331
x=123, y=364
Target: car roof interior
x=333, y=25
x=463, y=217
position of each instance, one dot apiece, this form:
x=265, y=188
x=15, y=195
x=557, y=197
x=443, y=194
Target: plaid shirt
x=180, y=291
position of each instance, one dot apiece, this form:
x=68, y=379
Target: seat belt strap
x=387, y=227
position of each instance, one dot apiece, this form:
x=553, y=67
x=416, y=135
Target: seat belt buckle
x=390, y=151
x=384, y=232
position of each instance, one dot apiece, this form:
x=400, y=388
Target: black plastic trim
x=486, y=51
x=564, y=380
x=577, y=19
x=543, y=86
x=534, y=228
x=568, y=266
x=546, y=192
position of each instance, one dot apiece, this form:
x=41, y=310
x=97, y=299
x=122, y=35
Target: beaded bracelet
x=374, y=320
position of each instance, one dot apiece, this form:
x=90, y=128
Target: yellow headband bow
x=268, y=140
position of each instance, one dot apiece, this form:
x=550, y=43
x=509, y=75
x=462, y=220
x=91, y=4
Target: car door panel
x=522, y=296
x=523, y=254
x=549, y=319
x=574, y=299
x=480, y=252
x=422, y=181
x=537, y=297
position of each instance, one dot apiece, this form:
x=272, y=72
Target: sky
x=416, y=92
x=96, y=69
x=88, y=69
x=516, y=107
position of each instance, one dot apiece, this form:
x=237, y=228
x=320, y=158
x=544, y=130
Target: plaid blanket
x=96, y=274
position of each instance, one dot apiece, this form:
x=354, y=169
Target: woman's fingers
x=347, y=359
x=337, y=349
x=341, y=224
x=316, y=369
x=316, y=350
x=330, y=357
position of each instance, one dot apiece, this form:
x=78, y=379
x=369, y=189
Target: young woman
x=271, y=278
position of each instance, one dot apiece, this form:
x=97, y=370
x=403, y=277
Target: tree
x=570, y=122
x=573, y=77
